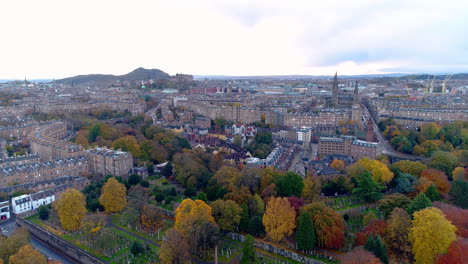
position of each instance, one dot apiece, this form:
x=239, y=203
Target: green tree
x=459, y=192
x=420, y=202
x=256, y=227
x=432, y=193
x=137, y=248
x=375, y=245
x=43, y=212
x=248, y=251
x=392, y=201
x=367, y=189
x=305, y=233
x=227, y=214
x=443, y=161
x=289, y=184
x=244, y=221
x=237, y=140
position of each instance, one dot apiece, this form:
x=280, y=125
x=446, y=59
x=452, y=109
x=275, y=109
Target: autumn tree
x=28, y=255
x=191, y=212
x=328, y=224
x=204, y=236
x=456, y=215
x=150, y=218
x=312, y=187
x=412, y=167
x=227, y=175
x=459, y=192
x=174, y=249
x=392, y=201
x=288, y=184
x=127, y=143
x=305, y=233
x=378, y=170
x=248, y=251
x=256, y=205
x=337, y=165
x=374, y=227
x=438, y=178
x=460, y=174
x=367, y=189
x=397, y=235
x=359, y=256
x=71, y=209
x=457, y=253
x=430, y=235
x=443, y=161
x=419, y=202
x=113, y=196
x=227, y=214
x=10, y=245
x=279, y=218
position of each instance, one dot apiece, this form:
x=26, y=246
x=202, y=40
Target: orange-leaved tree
x=359, y=256
x=438, y=178
x=329, y=225
x=457, y=253
x=337, y=165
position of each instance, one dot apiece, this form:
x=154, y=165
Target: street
x=9, y=226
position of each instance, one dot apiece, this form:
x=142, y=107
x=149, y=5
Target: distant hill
x=139, y=74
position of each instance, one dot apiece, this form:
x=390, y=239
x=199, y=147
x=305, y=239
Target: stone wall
x=282, y=252
x=75, y=254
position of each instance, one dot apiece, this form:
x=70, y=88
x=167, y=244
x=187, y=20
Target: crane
x=444, y=83
x=432, y=85
x=427, y=84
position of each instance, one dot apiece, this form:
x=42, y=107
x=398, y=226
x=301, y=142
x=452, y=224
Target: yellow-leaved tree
x=312, y=187
x=191, y=212
x=71, y=209
x=113, y=196
x=279, y=218
x=27, y=255
x=378, y=170
x=430, y=235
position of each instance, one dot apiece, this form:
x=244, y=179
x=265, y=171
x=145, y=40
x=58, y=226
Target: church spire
x=356, y=92
x=335, y=90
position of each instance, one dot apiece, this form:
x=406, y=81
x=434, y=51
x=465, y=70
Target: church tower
x=335, y=91
x=356, y=93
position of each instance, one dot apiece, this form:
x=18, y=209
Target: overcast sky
x=61, y=38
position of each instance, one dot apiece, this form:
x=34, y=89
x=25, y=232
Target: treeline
x=430, y=137
x=148, y=143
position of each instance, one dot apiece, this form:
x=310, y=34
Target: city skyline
x=52, y=39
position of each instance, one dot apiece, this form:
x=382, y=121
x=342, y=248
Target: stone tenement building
x=349, y=145
x=22, y=131
x=46, y=142
x=39, y=171
x=18, y=160
x=331, y=116
x=425, y=114
x=107, y=161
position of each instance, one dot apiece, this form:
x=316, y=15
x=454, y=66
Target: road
x=387, y=148
x=9, y=226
